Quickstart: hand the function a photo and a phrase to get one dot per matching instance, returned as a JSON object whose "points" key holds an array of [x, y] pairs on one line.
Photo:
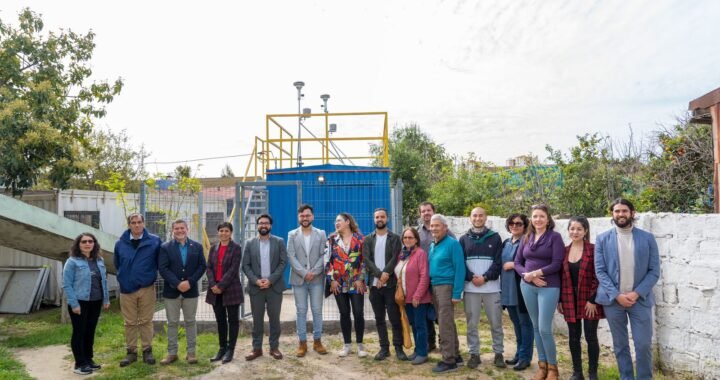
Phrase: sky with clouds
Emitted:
{"points": [[497, 78]]}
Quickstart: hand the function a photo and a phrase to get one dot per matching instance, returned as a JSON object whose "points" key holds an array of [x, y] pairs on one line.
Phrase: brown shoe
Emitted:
{"points": [[253, 355], [191, 358], [276, 354], [552, 372], [318, 347], [301, 351], [169, 359], [542, 372]]}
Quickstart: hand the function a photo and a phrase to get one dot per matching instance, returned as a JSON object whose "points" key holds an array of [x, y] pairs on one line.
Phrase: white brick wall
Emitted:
{"points": [[687, 314]]}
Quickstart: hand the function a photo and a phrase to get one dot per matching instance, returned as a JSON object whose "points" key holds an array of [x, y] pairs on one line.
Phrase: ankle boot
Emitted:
{"points": [[148, 356], [229, 354], [542, 371], [318, 347], [577, 375], [130, 358], [302, 349], [219, 355], [552, 372]]}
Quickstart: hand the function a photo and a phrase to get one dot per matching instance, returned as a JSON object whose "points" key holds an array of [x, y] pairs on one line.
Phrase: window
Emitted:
{"points": [[212, 219], [91, 218]]}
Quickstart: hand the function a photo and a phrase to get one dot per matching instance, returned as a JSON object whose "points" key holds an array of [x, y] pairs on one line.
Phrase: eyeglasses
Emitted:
{"points": [[87, 241], [516, 224], [408, 237]]}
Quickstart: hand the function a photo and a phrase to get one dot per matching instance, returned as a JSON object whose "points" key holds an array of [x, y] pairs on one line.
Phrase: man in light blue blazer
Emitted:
{"points": [[306, 254], [627, 264]]}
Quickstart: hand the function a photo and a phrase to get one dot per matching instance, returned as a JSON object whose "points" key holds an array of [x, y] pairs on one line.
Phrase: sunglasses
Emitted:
{"points": [[516, 224], [87, 241]]}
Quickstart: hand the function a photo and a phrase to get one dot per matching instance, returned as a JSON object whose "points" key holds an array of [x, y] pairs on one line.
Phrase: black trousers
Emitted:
{"points": [[266, 299], [575, 333], [344, 302], [383, 300], [227, 318], [83, 333]]}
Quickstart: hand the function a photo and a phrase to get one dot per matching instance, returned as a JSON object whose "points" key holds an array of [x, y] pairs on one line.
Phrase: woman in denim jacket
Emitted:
{"points": [[85, 285]]}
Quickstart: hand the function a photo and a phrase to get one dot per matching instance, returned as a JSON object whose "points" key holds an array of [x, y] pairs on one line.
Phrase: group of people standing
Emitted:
{"points": [[414, 279]]}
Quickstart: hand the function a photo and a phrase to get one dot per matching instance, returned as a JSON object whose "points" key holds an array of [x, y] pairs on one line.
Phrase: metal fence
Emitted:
{"points": [[203, 209]]}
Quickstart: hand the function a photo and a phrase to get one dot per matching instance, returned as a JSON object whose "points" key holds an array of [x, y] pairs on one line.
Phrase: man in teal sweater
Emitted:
{"points": [[447, 276]]}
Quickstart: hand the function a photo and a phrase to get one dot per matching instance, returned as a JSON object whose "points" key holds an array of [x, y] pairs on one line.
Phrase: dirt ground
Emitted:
{"points": [[330, 366], [49, 362]]}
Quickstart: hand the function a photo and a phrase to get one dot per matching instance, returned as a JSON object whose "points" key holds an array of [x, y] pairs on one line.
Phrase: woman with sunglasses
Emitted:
{"points": [[539, 261], [85, 286], [414, 276], [510, 295]]}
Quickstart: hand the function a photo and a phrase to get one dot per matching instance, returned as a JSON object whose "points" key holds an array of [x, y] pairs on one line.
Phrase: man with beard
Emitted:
{"points": [[381, 249], [627, 264], [264, 264], [306, 249]]}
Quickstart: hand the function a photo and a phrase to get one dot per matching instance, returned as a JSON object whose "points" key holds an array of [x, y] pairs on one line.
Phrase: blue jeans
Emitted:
{"points": [[641, 323], [541, 304], [523, 333], [315, 292], [417, 316]]}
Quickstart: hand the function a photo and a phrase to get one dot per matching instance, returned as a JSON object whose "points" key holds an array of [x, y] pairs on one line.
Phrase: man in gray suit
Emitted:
{"points": [[264, 264], [306, 248]]}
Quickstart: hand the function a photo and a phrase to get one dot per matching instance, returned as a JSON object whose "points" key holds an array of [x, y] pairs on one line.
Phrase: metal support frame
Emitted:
{"points": [[278, 144]]}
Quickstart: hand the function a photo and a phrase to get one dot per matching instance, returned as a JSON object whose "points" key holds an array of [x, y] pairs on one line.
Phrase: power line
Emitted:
{"points": [[201, 159]]}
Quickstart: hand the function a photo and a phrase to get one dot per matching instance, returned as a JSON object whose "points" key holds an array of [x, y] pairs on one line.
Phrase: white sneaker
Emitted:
{"points": [[345, 351], [361, 351]]}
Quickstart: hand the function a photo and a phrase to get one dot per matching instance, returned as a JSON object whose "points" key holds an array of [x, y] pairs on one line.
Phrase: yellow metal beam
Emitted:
{"points": [[329, 114], [320, 139]]}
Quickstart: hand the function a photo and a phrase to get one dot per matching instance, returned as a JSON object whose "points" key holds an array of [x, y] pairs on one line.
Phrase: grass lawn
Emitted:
{"points": [[44, 329]]}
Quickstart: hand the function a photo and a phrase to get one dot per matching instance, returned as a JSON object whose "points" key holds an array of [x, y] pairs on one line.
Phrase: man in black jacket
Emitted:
{"points": [[181, 263], [381, 249]]}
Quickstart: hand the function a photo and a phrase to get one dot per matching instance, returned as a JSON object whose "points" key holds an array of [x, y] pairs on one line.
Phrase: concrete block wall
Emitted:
{"points": [[687, 314]]}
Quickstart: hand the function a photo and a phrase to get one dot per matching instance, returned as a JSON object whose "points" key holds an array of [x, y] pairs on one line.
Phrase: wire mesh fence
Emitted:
{"points": [[204, 207]]}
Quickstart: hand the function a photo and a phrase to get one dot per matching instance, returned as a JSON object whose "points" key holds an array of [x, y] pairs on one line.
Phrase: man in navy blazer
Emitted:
{"points": [[263, 262], [181, 263], [627, 264]]}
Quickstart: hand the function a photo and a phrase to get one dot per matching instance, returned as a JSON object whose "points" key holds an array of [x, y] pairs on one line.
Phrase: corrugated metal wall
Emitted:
{"points": [[357, 190]]}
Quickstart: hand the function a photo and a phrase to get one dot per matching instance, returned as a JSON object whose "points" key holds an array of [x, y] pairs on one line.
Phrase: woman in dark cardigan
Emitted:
{"points": [[225, 290], [511, 296], [577, 296]]}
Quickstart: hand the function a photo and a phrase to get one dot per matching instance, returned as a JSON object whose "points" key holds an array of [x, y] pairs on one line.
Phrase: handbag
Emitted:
{"points": [[400, 300]]}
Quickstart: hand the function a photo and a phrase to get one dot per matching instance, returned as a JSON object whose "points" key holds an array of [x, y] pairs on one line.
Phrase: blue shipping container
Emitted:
{"points": [[329, 189]]}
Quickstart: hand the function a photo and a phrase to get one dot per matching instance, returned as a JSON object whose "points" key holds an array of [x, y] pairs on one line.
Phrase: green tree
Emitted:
{"points": [[590, 177], [418, 161], [110, 154], [679, 171], [47, 103], [227, 172]]}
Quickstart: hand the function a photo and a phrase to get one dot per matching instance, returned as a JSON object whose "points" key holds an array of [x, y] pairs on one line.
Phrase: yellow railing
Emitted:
{"points": [[279, 149]]}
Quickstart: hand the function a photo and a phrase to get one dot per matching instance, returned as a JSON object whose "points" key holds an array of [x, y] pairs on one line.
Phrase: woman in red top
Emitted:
{"points": [[345, 272], [414, 276], [225, 290], [577, 296]]}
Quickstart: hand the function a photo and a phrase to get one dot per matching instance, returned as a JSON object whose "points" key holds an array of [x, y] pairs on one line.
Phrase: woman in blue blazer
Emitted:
{"points": [[85, 285]]}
